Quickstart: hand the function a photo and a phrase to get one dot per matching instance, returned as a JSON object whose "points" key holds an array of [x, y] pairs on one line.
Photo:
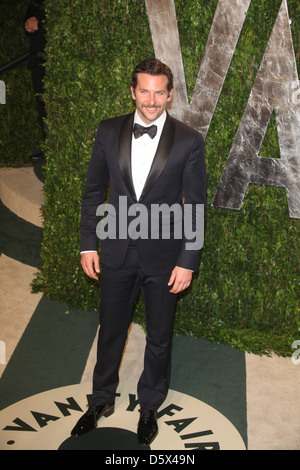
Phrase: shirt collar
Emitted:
{"points": [[158, 122]]}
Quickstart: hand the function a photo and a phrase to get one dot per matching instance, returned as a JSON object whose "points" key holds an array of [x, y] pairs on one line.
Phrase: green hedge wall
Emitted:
{"points": [[20, 127], [245, 294]]}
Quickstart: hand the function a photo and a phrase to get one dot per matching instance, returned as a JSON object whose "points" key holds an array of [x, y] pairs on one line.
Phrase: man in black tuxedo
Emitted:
{"points": [[34, 26], [145, 171]]}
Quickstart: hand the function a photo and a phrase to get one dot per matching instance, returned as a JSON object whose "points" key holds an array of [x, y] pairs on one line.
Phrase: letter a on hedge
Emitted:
{"points": [[273, 89]]}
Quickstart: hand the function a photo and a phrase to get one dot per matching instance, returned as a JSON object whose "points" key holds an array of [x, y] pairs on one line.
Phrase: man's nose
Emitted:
{"points": [[152, 99]]}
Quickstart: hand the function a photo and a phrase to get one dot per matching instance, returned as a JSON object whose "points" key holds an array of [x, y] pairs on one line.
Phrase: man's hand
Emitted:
{"points": [[32, 24], [180, 278], [90, 264]]}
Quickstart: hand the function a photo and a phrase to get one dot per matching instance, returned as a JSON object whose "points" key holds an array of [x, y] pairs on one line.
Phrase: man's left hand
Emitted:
{"points": [[32, 25], [180, 278]]}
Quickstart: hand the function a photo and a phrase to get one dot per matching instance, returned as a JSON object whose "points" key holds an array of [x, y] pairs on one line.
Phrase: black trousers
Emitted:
{"points": [[38, 75], [119, 289]]}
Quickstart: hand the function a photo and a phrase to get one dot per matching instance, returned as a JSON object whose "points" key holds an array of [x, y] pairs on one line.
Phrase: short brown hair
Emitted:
{"points": [[152, 67]]}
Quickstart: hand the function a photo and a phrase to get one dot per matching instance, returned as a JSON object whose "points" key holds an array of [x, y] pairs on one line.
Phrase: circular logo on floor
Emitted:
{"points": [[44, 422]]}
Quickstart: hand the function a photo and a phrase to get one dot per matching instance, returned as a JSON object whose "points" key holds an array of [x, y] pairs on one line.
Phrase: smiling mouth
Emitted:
{"points": [[151, 108]]}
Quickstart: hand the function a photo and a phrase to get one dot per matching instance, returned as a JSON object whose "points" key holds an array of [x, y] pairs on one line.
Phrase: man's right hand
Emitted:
{"points": [[90, 264]]}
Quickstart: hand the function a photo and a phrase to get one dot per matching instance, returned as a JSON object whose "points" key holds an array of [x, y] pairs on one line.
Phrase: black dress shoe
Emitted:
{"points": [[88, 421], [147, 427], [35, 157]]}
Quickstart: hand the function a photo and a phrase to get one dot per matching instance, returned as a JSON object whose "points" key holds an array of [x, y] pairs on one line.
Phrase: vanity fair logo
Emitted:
{"points": [[44, 422], [160, 221]]}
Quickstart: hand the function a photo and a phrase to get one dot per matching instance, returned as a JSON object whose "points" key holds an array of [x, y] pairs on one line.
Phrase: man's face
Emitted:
{"points": [[151, 96]]}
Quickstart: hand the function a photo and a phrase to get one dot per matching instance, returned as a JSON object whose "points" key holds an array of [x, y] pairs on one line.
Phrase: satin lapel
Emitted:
{"points": [[125, 153], [161, 156]]}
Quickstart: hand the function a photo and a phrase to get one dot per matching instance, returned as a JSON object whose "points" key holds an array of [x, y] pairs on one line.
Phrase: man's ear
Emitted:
{"points": [[170, 95], [133, 93]]}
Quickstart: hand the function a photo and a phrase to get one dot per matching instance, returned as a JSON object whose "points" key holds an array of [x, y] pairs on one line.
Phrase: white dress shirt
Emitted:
{"points": [[143, 151]]}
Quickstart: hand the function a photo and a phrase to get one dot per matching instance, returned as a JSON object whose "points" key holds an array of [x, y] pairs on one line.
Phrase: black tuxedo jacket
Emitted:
{"points": [[178, 168]]}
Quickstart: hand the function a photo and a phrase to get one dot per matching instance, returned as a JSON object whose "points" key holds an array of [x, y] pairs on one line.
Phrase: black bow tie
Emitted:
{"points": [[140, 130]]}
